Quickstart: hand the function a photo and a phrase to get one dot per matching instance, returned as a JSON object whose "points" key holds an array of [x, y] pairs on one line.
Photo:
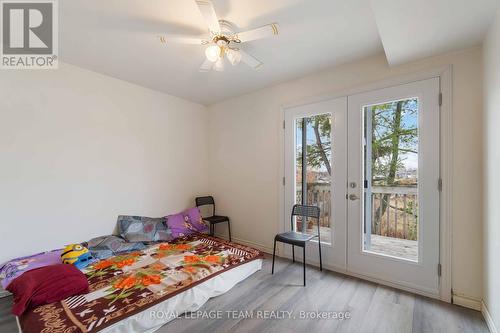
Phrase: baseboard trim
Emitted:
{"points": [[467, 302], [258, 246], [488, 318]]}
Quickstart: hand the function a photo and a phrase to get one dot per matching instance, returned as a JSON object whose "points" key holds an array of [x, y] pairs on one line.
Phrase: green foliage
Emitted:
{"points": [[318, 153], [394, 133]]}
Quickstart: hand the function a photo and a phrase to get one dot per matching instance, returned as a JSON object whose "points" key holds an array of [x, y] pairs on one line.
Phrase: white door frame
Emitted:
{"points": [[445, 73], [334, 254]]}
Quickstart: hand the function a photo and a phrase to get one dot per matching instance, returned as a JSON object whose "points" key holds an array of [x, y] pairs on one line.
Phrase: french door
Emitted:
{"points": [[315, 174], [371, 163], [393, 200]]}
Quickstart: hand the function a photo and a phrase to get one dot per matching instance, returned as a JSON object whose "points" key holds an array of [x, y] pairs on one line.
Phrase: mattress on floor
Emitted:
{"points": [[128, 292]]}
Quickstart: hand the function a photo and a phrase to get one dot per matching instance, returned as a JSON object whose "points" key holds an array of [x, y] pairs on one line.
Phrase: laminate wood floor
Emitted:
{"points": [[372, 307]]}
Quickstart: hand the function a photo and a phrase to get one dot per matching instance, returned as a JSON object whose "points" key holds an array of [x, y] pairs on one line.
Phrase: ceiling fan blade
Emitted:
{"points": [[206, 66], [259, 33], [165, 39], [207, 10], [250, 60]]}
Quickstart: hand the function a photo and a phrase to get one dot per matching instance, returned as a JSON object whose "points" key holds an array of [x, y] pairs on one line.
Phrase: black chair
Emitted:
{"points": [[214, 219], [298, 238]]}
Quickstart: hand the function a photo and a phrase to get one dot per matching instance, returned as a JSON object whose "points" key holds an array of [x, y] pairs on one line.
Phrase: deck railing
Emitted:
{"points": [[393, 213], [319, 194]]}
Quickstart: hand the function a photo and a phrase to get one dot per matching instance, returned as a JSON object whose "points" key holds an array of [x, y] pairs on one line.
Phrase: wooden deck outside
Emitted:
{"points": [[396, 247]]}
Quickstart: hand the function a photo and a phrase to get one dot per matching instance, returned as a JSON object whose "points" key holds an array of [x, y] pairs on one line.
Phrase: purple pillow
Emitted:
{"points": [[14, 268], [194, 218], [179, 225]]}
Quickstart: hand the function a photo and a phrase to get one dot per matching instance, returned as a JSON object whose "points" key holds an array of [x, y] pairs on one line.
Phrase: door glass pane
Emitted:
{"points": [[313, 183], [391, 178]]}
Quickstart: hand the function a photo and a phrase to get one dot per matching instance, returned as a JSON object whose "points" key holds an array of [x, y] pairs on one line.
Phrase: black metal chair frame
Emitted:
{"points": [[304, 211], [214, 219]]}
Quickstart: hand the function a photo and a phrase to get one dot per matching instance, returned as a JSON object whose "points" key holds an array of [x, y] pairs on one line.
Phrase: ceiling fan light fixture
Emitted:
{"points": [[222, 40], [213, 53], [234, 56]]}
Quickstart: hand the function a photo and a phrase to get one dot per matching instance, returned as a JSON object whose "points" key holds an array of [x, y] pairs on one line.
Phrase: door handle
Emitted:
{"points": [[353, 197]]}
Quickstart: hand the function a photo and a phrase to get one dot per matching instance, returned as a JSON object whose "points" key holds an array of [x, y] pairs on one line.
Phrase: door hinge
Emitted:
{"points": [[440, 99], [283, 124], [440, 184], [439, 269], [283, 181]]}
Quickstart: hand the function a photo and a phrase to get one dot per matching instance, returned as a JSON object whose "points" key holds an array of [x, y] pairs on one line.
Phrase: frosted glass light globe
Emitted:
{"points": [[233, 56], [213, 53]]}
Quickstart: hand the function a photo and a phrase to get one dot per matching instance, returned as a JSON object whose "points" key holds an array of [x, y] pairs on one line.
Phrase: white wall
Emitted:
{"points": [[78, 148], [244, 160], [491, 174]]}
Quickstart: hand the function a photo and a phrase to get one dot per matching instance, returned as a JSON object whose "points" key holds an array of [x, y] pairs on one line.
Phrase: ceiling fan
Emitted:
{"points": [[223, 41]]}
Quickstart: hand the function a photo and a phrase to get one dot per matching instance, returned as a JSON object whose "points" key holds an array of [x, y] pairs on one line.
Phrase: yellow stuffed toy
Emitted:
{"points": [[77, 255]]}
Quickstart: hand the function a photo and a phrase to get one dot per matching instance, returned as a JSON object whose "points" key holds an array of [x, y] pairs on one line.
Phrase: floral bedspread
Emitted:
{"points": [[124, 285]]}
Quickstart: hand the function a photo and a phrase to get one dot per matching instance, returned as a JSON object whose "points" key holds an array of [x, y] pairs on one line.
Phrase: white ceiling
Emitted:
{"points": [[118, 38], [412, 30]]}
